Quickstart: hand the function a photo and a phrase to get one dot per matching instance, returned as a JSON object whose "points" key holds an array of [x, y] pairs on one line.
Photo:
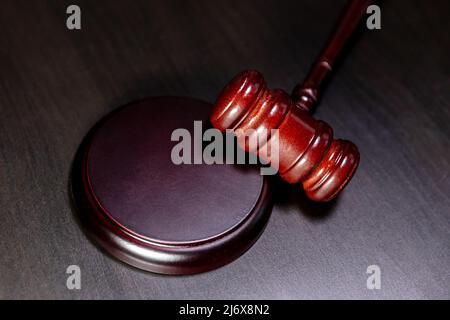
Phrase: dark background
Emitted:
{"points": [[390, 96]]}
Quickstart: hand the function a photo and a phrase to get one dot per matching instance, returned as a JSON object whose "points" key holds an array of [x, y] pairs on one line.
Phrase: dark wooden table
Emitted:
{"points": [[390, 96]]}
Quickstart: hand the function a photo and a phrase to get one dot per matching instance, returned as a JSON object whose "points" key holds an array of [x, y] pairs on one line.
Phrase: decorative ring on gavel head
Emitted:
{"points": [[307, 151]]}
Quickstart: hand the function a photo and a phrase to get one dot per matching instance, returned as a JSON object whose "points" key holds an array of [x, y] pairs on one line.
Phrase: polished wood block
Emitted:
{"points": [[158, 216]]}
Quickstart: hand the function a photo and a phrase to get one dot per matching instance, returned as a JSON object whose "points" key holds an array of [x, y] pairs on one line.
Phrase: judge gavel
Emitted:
{"points": [[308, 153]]}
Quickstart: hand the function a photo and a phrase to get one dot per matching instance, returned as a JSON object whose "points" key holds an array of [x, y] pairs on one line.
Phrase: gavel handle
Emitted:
{"points": [[305, 95]]}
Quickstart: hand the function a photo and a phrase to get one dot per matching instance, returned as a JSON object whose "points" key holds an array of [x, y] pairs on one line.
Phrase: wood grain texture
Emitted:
{"points": [[390, 96]]}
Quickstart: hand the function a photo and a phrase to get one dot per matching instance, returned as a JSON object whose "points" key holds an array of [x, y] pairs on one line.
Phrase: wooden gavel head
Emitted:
{"points": [[307, 151]]}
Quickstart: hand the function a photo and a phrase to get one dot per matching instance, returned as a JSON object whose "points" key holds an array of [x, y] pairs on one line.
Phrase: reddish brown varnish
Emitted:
{"points": [[307, 151]]}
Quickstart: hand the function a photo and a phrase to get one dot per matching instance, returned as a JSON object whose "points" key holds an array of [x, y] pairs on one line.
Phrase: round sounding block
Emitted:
{"points": [[156, 215]]}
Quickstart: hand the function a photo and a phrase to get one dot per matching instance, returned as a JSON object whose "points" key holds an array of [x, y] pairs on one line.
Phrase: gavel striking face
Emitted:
{"points": [[308, 153]]}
